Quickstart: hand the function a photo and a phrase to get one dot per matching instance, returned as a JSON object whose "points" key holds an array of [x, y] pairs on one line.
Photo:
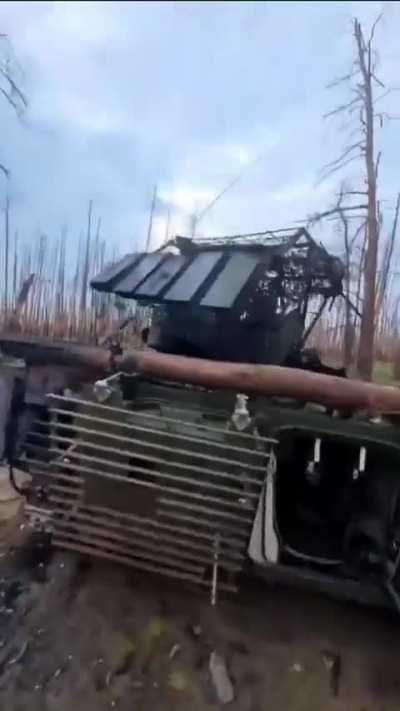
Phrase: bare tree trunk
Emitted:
{"points": [[348, 338], [15, 268], [6, 252], [387, 260], [367, 328], [85, 274]]}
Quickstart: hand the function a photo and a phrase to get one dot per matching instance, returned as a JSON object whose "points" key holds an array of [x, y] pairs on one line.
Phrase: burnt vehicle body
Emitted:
{"points": [[202, 484]]}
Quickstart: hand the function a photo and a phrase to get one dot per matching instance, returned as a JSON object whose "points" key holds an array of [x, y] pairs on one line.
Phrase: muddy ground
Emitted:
{"points": [[83, 635]]}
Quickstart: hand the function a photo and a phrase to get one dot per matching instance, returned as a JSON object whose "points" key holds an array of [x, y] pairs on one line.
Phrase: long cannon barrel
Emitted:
{"points": [[264, 380]]}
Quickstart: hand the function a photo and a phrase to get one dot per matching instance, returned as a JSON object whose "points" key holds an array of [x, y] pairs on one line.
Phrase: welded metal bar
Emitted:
{"points": [[151, 485], [237, 477], [141, 470], [216, 560], [241, 520], [147, 415], [156, 545], [126, 530], [128, 550], [92, 550], [156, 445], [51, 473], [222, 526], [175, 435], [230, 540]]}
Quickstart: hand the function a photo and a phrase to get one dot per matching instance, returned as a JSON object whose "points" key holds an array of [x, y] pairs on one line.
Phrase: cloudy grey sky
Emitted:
{"points": [[124, 95]]}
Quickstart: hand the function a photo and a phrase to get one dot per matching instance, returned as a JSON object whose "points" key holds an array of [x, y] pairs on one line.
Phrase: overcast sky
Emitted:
{"points": [[185, 95]]}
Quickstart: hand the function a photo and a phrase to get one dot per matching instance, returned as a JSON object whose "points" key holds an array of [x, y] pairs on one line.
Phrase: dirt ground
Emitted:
{"points": [[86, 635]]}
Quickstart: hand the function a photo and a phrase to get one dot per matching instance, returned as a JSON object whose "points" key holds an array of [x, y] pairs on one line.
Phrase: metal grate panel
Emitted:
{"points": [[172, 496]]}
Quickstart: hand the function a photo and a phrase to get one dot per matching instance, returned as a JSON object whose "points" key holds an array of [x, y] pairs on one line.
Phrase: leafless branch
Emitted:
{"points": [[344, 155], [342, 80], [5, 171], [378, 81], [337, 210], [373, 28], [359, 229], [378, 160], [384, 115], [342, 107], [387, 258], [17, 91], [331, 171]]}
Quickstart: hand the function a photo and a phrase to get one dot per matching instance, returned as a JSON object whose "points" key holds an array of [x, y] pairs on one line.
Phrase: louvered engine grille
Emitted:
{"points": [[151, 491]]}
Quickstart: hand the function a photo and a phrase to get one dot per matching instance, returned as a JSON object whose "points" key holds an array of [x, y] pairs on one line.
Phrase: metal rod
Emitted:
{"points": [[157, 445], [99, 530], [174, 435], [202, 509], [74, 449], [230, 540], [215, 572], [146, 415], [153, 473], [152, 485], [98, 519], [92, 550]]}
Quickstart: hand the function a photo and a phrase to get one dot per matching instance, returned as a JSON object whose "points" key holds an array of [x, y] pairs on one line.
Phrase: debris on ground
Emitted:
{"points": [[174, 651], [95, 637], [220, 677], [297, 667], [333, 664], [20, 654]]}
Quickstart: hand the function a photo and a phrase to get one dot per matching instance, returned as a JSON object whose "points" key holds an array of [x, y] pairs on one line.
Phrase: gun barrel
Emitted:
{"points": [[263, 380]]}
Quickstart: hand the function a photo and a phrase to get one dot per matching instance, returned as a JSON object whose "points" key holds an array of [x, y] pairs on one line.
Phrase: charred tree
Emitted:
{"points": [[362, 205], [367, 327]]}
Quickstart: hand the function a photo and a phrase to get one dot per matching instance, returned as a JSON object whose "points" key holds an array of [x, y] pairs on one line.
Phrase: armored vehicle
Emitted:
{"points": [[225, 447]]}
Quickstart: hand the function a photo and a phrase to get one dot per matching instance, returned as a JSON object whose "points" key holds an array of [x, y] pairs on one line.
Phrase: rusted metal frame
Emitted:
{"points": [[236, 477], [154, 522], [175, 435], [141, 470], [92, 550], [147, 415], [163, 447], [143, 531], [101, 532]]}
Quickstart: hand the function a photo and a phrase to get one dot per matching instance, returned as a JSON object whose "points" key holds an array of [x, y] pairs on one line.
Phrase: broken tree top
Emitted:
{"points": [[215, 272]]}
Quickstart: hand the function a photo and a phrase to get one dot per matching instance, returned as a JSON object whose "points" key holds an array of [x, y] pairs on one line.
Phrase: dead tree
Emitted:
{"points": [[6, 251], [348, 340], [363, 204], [384, 271], [85, 272], [367, 115], [10, 78], [341, 215]]}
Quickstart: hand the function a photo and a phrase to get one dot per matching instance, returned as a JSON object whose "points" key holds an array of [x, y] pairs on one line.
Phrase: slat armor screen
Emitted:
{"points": [[153, 492]]}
